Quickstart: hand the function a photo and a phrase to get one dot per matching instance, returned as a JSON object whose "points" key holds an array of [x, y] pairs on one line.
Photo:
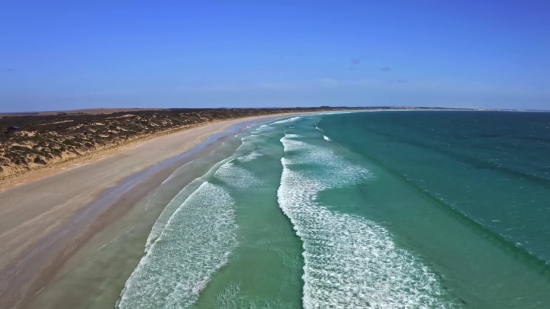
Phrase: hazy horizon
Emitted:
{"points": [[65, 55], [266, 107]]}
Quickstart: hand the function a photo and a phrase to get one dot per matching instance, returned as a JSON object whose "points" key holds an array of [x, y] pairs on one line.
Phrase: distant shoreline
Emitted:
{"points": [[45, 144], [18, 165], [96, 111], [49, 142]]}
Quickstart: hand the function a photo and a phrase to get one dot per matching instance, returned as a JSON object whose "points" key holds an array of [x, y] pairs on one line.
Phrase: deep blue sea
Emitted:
{"points": [[386, 209]]}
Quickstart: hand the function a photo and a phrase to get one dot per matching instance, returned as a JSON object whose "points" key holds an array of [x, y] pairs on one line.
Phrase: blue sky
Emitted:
{"points": [[73, 54]]}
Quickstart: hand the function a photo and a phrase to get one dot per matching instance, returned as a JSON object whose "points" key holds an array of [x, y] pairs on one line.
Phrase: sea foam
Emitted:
{"points": [[196, 241], [178, 201], [350, 262], [169, 210], [236, 177], [172, 270], [253, 155], [287, 120], [264, 127]]}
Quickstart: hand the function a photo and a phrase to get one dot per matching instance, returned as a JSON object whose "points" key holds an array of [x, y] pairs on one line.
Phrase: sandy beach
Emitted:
{"points": [[37, 232]]}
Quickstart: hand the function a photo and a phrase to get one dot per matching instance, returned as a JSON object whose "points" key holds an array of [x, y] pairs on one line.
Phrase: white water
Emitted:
{"points": [[169, 210], [197, 240], [192, 238], [253, 155], [287, 120], [177, 202], [350, 262], [236, 177]]}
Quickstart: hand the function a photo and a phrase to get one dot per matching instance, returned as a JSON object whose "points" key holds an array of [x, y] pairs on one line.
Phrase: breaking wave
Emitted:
{"points": [[350, 262], [287, 120], [197, 240]]}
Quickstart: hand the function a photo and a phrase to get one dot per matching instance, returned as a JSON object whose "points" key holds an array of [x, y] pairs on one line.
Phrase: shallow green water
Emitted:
{"points": [[361, 210]]}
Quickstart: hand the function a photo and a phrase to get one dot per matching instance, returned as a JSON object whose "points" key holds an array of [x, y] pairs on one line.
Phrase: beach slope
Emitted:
{"points": [[36, 229]]}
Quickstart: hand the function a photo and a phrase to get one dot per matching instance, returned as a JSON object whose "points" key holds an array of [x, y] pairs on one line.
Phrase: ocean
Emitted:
{"points": [[386, 209]]}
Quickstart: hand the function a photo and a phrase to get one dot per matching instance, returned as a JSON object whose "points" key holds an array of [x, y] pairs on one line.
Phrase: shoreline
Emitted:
{"points": [[38, 172], [27, 232], [14, 180], [96, 274]]}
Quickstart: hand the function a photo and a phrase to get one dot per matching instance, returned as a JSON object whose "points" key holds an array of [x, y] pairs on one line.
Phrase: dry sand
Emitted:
{"points": [[31, 213], [69, 163]]}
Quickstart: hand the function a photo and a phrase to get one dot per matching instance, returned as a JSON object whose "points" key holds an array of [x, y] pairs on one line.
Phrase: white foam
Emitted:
{"points": [[326, 138], [263, 128], [350, 262], [197, 241], [236, 177], [250, 137], [150, 277], [169, 210], [317, 128], [287, 120], [253, 155], [291, 135], [176, 203]]}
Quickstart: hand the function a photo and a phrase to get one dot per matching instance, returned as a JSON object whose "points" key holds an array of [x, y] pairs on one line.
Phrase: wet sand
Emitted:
{"points": [[49, 226]]}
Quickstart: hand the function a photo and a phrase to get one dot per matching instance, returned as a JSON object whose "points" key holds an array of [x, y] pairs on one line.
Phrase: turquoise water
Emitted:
{"points": [[361, 210]]}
